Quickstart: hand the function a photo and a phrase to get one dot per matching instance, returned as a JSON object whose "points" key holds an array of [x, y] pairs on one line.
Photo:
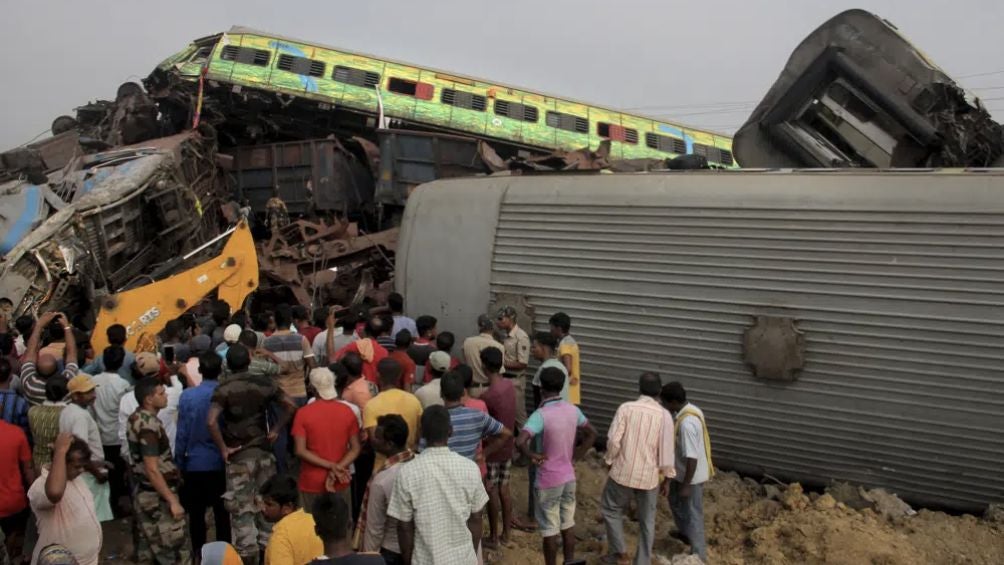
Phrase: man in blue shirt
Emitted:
{"points": [[116, 334], [13, 407], [401, 322], [198, 458], [470, 426]]}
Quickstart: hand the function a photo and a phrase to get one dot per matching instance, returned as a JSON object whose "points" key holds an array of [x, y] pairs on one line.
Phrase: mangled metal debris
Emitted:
{"points": [[326, 263], [115, 218]]}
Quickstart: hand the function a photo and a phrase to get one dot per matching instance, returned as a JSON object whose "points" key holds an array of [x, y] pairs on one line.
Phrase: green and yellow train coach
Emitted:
{"points": [[340, 79]]}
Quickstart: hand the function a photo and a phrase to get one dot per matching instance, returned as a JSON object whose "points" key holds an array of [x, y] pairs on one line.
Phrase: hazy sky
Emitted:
{"points": [[701, 63]]}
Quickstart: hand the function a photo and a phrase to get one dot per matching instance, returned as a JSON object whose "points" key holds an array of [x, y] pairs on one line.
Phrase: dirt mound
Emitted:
{"points": [[744, 525]]}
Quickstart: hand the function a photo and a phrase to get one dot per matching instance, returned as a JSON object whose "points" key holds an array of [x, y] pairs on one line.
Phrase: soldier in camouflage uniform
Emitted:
{"points": [[239, 426], [160, 519]]}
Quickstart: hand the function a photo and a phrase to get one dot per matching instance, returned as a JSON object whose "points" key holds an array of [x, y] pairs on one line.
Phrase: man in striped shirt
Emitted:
{"points": [[470, 426], [639, 450], [39, 367]]}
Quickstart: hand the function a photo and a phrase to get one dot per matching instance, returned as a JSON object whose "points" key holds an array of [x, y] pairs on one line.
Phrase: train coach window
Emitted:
{"points": [[300, 65], [463, 99], [616, 132], [714, 154], [245, 55], [665, 143], [420, 90], [356, 77], [516, 111], [567, 122]]}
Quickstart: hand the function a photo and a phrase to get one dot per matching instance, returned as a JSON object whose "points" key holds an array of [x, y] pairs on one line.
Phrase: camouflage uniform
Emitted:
{"points": [[162, 538], [244, 400], [247, 471]]}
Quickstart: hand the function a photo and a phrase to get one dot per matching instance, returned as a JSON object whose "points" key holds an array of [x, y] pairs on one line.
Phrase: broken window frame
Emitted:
{"points": [[617, 132], [419, 90]]}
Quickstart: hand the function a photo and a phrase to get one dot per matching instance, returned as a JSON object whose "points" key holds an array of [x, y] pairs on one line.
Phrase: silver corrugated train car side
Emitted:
{"points": [[834, 325]]}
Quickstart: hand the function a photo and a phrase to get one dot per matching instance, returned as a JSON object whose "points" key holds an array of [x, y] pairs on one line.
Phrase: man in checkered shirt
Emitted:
{"points": [[438, 500]]}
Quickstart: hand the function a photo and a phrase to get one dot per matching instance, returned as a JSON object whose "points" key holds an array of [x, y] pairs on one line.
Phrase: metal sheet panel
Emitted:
{"points": [[894, 277]]}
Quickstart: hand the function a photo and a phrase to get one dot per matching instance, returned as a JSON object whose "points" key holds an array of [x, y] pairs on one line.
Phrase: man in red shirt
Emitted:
{"points": [[301, 320], [15, 473], [326, 433], [400, 354], [501, 401], [368, 348]]}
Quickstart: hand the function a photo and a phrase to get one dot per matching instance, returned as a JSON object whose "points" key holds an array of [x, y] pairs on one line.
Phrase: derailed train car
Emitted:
{"points": [[108, 220], [856, 93], [838, 325]]}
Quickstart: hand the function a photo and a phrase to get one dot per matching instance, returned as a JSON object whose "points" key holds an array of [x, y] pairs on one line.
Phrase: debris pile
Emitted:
{"points": [[744, 524]]}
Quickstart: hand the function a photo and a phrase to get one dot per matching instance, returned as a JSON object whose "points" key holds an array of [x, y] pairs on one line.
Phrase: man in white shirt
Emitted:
{"points": [[430, 393], [438, 499], [148, 365], [693, 468], [111, 387], [77, 420]]}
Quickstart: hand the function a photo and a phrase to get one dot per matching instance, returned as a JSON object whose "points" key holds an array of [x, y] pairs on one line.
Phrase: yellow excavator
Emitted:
{"points": [[145, 310]]}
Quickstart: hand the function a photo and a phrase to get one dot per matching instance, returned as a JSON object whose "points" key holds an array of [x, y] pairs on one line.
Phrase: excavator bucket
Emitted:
{"points": [[145, 310]]}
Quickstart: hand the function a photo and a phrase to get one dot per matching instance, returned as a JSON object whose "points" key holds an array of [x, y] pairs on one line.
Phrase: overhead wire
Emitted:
{"points": [[991, 73]]}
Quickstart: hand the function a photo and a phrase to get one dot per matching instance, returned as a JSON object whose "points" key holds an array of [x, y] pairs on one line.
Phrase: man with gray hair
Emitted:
{"points": [[472, 354]]}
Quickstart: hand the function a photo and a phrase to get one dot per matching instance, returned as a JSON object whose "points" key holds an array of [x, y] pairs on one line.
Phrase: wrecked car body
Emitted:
{"points": [[855, 93], [123, 213]]}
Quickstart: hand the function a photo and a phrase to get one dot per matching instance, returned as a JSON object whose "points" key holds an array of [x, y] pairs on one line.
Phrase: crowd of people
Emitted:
{"points": [[339, 436]]}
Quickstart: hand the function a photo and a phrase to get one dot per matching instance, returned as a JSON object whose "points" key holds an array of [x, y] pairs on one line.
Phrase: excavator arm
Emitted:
{"points": [[146, 310]]}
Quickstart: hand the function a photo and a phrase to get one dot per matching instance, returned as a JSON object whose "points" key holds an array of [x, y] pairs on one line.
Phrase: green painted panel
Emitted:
{"points": [[502, 127]]}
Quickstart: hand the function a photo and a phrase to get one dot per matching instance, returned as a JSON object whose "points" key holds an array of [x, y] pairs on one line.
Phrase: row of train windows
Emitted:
{"points": [[471, 101]]}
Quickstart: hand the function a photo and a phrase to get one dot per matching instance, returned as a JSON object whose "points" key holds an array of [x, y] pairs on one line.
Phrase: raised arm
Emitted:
{"points": [[35, 340], [55, 483], [70, 353]]}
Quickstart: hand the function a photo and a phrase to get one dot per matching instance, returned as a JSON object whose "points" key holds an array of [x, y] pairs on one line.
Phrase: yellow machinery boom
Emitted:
{"points": [[146, 310]]}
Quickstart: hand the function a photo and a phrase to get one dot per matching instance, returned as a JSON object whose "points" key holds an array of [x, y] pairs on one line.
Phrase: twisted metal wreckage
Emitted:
{"points": [[126, 188]]}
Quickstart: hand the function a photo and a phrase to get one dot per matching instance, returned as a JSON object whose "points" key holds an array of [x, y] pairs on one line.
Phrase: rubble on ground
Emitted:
{"points": [[745, 526]]}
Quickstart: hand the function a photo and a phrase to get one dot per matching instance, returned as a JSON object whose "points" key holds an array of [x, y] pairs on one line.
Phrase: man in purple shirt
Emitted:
{"points": [[556, 422]]}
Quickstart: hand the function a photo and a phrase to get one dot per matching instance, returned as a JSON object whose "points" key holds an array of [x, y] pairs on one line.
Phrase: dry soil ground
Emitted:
{"points": [[747, 523]]}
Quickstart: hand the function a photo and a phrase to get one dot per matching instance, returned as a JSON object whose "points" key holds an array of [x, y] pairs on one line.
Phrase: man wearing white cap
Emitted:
{"points": [[326, 435], [77, 420], [230, 336], [429, 395]]}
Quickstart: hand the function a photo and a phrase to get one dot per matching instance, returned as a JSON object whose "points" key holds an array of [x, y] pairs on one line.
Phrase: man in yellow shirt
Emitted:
{"points": [[293, 541], [392, 400], [568, 354]]}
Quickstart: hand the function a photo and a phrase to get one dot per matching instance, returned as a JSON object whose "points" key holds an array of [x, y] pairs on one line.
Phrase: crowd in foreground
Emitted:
{"points": [[353, 436]]}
